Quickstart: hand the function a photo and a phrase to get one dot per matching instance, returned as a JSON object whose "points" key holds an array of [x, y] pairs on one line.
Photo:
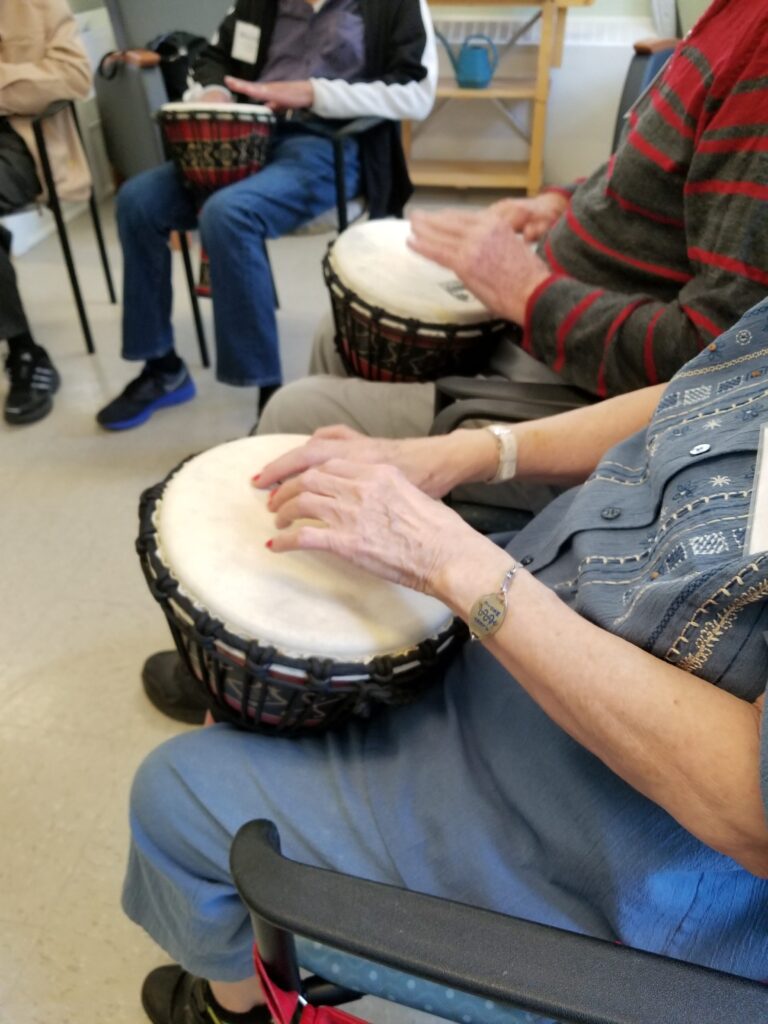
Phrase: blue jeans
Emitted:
{"points": [[296, 184]]}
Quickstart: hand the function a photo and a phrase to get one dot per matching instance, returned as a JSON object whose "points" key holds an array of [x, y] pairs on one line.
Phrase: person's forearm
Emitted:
{"points": [[562, 449], [688, 746], [27, 89]]}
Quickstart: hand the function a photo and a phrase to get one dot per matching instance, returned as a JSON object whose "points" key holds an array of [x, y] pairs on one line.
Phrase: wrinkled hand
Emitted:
{"points": [[433, 464], [373, 517], [278, 96], [532, 218], [486, 252]]}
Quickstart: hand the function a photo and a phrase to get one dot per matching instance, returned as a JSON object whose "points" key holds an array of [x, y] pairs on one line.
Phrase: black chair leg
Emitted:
{"points": [[341, 184], [55, 205], [102, 248], [184, 245]]}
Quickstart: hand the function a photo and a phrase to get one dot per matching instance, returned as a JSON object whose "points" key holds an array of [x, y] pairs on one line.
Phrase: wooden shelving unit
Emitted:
{"points": [[525, 175]]}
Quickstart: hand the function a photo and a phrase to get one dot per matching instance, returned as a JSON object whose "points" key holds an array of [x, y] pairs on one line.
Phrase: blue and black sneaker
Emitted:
{"points": [[150, 391]]}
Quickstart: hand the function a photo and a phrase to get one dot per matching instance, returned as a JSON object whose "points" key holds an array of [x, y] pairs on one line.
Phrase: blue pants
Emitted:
{"points": [[296, 185]]}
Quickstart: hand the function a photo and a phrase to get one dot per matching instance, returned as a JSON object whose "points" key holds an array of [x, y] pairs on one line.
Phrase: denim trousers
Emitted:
{"points": [[296, 184]]}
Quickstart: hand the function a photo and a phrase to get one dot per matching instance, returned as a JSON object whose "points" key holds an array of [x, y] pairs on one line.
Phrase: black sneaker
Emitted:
{"points": [[173, 689], [170, 995], [34, 382], [146, 394]]}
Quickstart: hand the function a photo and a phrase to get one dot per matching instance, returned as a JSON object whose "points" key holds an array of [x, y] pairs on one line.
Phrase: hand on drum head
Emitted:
{"points": [[433, 464], [486, 252], [278, 96], [375, 518]]}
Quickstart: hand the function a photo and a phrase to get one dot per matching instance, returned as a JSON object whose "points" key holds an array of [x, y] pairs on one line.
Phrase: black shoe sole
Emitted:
{"points": [[19, 419]]}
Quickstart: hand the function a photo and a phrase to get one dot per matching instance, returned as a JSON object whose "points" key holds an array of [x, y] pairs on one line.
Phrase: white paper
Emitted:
{"points": [[757, 530], [245, 45]]}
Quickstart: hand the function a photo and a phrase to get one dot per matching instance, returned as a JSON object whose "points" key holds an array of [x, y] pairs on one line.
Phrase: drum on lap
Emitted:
{"points": [[291, 643], [214, 145], [398, 316]]}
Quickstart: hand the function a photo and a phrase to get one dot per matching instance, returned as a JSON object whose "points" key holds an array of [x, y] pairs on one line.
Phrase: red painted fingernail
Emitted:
{"points": [[255, 478], [269, 544]]}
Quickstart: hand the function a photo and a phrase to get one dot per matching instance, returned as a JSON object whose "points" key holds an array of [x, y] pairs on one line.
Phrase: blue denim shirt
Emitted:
{"points": [[652, 546]]}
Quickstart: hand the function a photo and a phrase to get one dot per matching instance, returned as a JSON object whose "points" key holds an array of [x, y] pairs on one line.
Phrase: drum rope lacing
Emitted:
{"points": [[424, 351], [245, 679]]}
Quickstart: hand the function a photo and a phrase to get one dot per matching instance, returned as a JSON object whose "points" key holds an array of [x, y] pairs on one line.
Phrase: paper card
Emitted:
{"points": [[757, 529], [245, 45]]}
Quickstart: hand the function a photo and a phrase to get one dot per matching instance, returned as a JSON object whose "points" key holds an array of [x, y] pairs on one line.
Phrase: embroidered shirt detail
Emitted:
{"points": [[710, 623]]}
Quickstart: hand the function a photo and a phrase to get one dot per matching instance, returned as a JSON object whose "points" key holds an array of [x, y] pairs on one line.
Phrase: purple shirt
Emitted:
{"points": [[306, 44]]}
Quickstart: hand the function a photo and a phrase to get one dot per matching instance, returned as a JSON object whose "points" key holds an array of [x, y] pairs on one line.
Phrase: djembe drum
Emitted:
{"points": [[215, 145], [290, 643], [399, 316]]}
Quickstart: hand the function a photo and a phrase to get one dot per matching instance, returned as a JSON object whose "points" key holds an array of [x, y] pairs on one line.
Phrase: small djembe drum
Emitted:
{"points": [[215, 145], [399, 316], [291, 643]]}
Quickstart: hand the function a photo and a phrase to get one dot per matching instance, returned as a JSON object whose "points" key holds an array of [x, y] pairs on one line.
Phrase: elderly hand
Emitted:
{"points": [[433, 464], [278, 96], [486, 252], [373, 517]]}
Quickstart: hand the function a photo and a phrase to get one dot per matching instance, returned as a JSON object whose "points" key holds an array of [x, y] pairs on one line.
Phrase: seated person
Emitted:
{"points": [[322, 59], [636, 269], [601, 748], [41, 60]]}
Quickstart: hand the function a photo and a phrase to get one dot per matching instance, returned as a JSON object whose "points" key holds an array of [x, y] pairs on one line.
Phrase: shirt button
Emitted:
{"points": [[611, 512], [700, 449], [527, 560]]}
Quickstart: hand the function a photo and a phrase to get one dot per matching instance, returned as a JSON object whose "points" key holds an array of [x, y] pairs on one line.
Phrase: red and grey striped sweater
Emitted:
{"points": [[667, 244]]}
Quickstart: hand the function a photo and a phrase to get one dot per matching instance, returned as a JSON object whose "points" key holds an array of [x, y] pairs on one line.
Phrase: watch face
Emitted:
{"points": [[486, 615]]}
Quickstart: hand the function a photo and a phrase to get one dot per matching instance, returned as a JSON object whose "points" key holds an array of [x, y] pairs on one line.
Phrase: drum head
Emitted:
{"points": [[256, 110], [212, 528], [373, 261]]}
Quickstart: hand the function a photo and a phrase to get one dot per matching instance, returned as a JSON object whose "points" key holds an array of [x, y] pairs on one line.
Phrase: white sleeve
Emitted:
{"points": [[409, 101]]}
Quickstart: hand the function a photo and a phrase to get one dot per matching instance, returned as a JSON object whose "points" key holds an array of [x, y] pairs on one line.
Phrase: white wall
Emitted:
{"points": [[583, 101]]}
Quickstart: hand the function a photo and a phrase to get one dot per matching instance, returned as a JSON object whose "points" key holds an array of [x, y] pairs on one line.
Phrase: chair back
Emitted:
{"points": [[135, 22], [128, 101], [645, 65]]}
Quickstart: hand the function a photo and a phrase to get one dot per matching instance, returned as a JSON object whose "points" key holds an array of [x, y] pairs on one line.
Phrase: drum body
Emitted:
{"points": [[290, 643], [216, 144], [398, 316]]}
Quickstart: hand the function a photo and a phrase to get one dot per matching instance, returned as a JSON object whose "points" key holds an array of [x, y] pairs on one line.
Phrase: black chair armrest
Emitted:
{"points": [[346, 129], [51, 110], [458, 399], [573, 978]]}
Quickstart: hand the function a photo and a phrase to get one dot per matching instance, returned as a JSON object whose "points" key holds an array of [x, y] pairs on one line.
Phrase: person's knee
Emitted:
{"points": [[159, 785], [300, 408], [227, 213]]}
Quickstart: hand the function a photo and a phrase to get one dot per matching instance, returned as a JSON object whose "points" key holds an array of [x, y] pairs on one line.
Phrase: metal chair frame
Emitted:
{"points": [[54, 204], [572, 978]]}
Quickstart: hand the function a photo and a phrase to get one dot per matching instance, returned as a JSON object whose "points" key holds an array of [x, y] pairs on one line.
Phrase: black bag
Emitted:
{"points": [[178, 51]]}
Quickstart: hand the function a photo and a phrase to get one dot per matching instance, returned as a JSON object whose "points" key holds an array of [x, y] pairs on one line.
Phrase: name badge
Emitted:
{"points": [[757, 531], [245, 45]]}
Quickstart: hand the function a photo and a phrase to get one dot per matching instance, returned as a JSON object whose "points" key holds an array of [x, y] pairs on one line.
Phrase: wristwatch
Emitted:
{"points": [[506, 440], [489, 611]]}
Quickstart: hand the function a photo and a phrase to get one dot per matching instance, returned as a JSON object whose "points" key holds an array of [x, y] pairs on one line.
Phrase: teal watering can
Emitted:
{"points": [[475, 62]]}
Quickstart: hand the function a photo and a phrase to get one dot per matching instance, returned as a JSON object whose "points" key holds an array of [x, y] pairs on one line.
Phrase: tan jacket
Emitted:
{"points": [[42, 59]]}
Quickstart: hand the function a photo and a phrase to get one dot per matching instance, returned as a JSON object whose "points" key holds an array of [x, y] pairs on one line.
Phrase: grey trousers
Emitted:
{"points": [[329, 396]]}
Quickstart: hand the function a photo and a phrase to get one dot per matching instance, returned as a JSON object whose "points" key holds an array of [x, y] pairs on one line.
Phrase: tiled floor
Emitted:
{"points": [[76, 622]]}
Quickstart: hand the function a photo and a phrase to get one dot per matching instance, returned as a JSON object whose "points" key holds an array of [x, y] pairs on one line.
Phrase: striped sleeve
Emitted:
{"points": [[668, 243]]}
